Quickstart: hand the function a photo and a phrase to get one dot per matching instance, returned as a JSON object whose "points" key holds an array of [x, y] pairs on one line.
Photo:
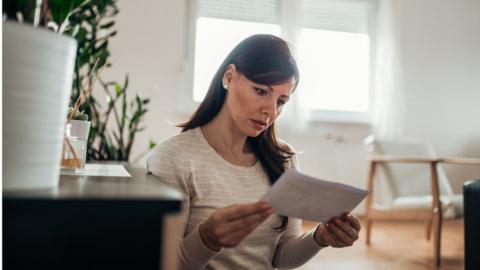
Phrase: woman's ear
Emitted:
{"points": [[229, 75]]}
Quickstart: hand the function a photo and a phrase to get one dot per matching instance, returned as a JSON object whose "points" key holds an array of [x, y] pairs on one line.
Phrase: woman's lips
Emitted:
{"points": [[258, 124]]}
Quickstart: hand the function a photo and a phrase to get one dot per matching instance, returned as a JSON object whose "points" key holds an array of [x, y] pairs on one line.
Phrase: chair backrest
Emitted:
{"points": [[407, 179]]}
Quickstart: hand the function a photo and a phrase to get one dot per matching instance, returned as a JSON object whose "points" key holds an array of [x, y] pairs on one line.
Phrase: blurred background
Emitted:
{"points": [[394, 68]]}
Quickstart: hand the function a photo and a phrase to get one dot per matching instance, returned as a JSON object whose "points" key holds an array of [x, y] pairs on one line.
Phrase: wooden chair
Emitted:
{"points": [[407, 166]]}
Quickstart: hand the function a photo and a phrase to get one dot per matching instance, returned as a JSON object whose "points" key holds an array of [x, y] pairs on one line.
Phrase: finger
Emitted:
{"points": [[340, 235], [347, 228], [327, 235], [354, 221], [237, 211], [336, 242], [246, 222]]}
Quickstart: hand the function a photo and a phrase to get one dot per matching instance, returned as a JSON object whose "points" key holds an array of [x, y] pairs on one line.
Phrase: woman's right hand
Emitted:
{"points": [[228, 226]]}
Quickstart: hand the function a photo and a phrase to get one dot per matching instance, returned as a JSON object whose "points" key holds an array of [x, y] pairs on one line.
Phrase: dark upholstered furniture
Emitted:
{"points": [[471, 197]]}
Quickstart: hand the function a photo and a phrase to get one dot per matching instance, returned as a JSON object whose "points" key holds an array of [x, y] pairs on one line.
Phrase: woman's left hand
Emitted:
{"points": [[339, 232]]}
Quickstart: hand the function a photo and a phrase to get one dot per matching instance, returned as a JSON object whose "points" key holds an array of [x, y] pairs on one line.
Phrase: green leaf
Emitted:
{"points": [[107, 25], [118, 89], [113, 33], [125, 83], [151, 144], [103, 45]]}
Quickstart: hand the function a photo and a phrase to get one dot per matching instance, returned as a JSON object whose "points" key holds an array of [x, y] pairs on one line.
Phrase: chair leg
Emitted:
{"points": [[369, 200], [438, 237], [429, 229], [368, 231], [437, 214]]}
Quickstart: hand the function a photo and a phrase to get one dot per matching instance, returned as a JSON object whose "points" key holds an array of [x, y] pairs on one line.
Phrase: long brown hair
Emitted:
{"points": [[263, 59]]}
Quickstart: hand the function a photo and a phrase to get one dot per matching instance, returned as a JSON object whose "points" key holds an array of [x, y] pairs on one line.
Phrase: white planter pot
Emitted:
{"points": [[37, 81]]}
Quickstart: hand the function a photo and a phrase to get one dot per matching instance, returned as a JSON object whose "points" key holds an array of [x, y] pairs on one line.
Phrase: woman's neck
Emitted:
{"points": [[225, 137]]}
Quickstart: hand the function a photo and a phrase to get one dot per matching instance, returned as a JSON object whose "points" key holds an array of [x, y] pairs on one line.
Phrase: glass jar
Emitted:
{"points": [[74, 150]]}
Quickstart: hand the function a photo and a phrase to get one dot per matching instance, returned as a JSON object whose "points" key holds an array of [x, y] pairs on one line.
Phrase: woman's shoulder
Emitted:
{"points": [[181, 140], [177, 145], [173, 153]]}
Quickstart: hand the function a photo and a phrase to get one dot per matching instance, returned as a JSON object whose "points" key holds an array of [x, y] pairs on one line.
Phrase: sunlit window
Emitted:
{"points": [[215, 38], [334, 70]]}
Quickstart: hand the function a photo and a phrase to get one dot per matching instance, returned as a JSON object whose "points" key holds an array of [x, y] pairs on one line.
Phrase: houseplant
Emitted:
{"points": [[94, 25], [91, 23], [37, 74]]}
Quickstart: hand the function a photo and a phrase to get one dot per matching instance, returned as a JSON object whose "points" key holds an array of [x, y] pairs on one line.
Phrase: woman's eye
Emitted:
{"points": [[280, 102], [260, 92]]}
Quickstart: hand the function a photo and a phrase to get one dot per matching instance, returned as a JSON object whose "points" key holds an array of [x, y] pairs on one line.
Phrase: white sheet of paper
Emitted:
{"points": [[112, 170], [301, 196]]}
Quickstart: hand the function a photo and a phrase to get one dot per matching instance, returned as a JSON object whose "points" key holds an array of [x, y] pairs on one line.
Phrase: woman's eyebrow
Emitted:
{"points": [[263, 86], [270, 88]]}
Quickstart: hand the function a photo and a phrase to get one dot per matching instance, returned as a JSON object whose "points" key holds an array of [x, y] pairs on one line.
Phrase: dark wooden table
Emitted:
{"points": [[90, 223]]}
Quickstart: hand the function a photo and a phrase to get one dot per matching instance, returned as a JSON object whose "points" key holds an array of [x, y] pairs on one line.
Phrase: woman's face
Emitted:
{"points": [[254, 107]]}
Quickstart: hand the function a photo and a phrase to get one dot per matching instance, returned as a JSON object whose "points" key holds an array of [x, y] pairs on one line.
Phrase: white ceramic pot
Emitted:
{"points": [[37, 80]]}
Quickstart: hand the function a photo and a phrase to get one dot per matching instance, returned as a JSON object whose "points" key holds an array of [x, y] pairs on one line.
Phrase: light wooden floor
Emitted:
{"points": [[395, 246]]}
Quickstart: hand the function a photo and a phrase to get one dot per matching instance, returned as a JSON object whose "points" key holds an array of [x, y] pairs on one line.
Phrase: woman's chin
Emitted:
{"points": [[252, 132]]}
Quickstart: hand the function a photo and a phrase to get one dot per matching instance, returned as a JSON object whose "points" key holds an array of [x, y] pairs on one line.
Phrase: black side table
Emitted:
{"points": [[91, 223]]}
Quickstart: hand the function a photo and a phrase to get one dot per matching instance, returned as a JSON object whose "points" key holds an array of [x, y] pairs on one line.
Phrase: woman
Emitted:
{"points": [[227, 157]]}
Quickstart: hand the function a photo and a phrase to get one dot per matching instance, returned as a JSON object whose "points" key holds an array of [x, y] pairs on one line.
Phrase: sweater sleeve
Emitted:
{"points": [[174, 169], [294, 248]]}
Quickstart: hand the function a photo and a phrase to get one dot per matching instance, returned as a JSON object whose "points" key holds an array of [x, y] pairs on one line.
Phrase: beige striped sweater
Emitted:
{"points": [[188, 163]]}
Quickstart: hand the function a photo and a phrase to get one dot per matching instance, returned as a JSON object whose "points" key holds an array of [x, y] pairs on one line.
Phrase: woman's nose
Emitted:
{"points": [[270, 109]]}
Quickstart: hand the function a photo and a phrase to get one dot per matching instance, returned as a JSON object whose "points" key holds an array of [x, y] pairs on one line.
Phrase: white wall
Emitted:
{"points": [[149, 47], [441, 40]]}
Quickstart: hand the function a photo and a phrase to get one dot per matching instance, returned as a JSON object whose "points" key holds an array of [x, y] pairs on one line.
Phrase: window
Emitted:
{"points": [[331, 43], [334, 59], [212, 51]]}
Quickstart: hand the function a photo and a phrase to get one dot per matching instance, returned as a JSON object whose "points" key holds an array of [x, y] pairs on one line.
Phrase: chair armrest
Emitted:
{"points": [[409, 159], [401, 159], [466, 161]]}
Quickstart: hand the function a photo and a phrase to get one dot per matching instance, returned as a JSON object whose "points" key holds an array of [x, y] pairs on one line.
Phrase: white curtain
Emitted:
{"points": [[389, 101], [294, 117]]}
